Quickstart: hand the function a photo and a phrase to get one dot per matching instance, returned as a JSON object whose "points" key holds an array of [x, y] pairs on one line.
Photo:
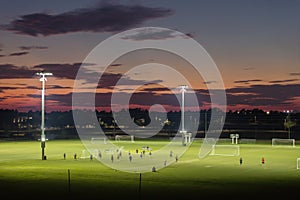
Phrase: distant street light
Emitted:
{"points": [[43, 138]]}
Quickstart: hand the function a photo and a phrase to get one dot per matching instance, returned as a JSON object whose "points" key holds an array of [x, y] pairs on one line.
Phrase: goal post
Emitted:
{"points": [[124, 138], [283, 142], [225, 150], [84, 154], [95, 140], [298, 163]]}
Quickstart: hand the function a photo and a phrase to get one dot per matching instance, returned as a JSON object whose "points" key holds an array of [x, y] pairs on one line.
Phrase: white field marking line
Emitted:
{"points": [[188, 161], [268, 148]]}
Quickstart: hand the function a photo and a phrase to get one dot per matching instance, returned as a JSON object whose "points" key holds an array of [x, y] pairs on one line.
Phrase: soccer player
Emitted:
{"points": [[241, 160], [153, 169], [262, 160]]}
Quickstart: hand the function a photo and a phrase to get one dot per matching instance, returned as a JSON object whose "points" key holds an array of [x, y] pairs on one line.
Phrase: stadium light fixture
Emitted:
{"points": [[183, 90], [43, 138]]}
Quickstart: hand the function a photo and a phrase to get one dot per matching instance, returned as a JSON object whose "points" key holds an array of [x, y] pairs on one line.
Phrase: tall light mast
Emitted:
{"points": [[43, 138], [183, 90]]}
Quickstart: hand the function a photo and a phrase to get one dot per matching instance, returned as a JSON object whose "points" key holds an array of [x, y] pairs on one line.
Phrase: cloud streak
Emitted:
{"points": [[154, 34], [295, 74], [22, 53], [103, 18], [248, 81], [12, 71], [263, 95], [284, 81], [27, 48]]}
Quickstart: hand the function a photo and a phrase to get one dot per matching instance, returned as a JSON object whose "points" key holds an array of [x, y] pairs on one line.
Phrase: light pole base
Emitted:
{"points": [[43, 144]]}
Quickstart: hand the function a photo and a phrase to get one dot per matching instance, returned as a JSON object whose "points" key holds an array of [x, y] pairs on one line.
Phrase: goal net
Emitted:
{"points": [[283, 142], [97, 140], [225, 150], [124, 138], [84, 154], [298, 163]]}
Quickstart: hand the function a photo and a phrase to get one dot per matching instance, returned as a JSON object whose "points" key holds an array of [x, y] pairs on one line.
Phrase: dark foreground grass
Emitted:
{"points": [[24, 175]]}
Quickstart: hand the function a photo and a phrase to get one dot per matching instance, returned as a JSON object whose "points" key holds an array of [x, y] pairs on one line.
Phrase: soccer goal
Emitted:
{"points": [[225, 150], [283, 142], [124, 138], [84, 154], [96, 140], [298, 163]]}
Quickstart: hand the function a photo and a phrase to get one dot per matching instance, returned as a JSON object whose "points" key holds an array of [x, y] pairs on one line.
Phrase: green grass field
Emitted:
{"points": [[24, 174]]}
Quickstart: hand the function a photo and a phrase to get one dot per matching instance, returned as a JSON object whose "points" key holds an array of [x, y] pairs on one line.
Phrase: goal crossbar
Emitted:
{"points": [[124, 137], [97, 139]]}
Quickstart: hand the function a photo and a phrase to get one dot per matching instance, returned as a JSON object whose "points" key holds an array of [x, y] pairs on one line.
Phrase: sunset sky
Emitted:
{"points": [[254, 43]]}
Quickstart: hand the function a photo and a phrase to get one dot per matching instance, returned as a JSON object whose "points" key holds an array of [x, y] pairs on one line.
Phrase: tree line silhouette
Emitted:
{"points": [[254, 123]]}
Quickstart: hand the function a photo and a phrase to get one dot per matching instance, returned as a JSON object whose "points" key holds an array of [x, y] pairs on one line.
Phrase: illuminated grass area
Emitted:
{"points": [[23, 173]]}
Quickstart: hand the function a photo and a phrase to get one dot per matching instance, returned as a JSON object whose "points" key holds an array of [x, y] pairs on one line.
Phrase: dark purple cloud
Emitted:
{"points": [[59, 70], [263, 95], [11, 71], [27, 48], [283, 81], [209, 82], [295, 74], [190, 35], [107, 80], [6, 88], [103, 18], [58, 87], [151, 34], [154, 34], [22, 53], [248, 81], [69, 71], [116, 65], [156, 89], [66, 70]]}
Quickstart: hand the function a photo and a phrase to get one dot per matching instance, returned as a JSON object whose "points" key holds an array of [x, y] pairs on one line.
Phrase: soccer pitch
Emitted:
{"points": [[24, 174]]}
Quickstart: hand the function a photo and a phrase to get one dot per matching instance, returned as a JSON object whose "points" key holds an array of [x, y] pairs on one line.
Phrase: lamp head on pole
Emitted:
{"points": [[43, 74], [183, 87]]}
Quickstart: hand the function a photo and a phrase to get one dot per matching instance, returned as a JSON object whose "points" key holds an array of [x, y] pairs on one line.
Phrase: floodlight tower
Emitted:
{"points": [[183, 90], [43, 138]]}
